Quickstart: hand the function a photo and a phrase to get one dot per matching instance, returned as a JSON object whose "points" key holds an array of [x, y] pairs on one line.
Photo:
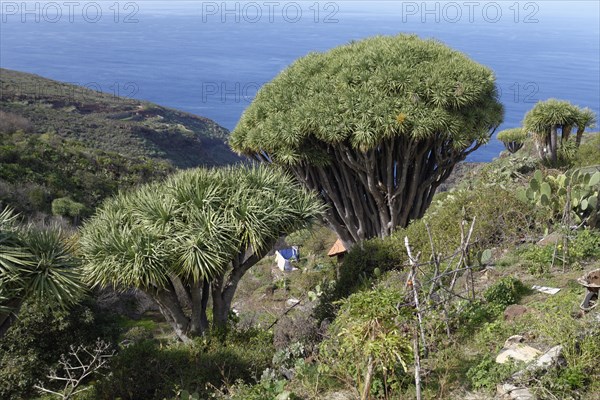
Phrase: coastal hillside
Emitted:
{"points": [[103, 121]]}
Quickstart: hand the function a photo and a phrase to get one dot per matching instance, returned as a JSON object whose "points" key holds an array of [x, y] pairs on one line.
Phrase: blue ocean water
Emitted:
{"points": [[210, 57]]}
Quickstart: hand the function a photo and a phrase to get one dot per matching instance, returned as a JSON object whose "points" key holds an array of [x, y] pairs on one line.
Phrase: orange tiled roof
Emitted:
{"points": [[337, 248]]}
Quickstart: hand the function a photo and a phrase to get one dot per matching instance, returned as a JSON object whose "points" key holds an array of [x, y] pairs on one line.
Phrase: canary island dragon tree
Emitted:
{"points": [[374, 127]]}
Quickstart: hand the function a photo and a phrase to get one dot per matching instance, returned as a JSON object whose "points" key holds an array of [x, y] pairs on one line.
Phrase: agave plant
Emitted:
{"points": [[35, 264]]}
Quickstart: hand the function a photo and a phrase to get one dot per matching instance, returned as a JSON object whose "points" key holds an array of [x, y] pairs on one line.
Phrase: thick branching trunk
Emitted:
{"points": [[372, 192], [223, 287], [566, 134], [183, 306], [580, 130], [554, 144], [513, 147]]}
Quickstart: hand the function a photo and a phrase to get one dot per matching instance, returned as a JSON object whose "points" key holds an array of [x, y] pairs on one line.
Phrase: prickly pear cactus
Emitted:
{"points": [[581, 188]]}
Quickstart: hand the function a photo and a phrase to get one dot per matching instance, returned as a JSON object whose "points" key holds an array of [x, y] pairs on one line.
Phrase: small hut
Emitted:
{"points": [[338, 249], [284, 258]]}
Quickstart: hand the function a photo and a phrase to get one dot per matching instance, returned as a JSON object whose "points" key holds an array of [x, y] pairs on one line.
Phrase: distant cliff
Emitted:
{"points": [[106, 122]]}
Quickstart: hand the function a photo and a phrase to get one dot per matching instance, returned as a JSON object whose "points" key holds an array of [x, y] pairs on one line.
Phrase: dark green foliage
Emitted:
{"points": [[35, 169], [500, 217], [35, 264], [147, 370], [113, 124], [474, 314], [582, 245], [65, 207], [41, 335], [371, 328], [585, 245], [403, 85], [506, 291], [537, 258], [266, 389], [358, 269]]}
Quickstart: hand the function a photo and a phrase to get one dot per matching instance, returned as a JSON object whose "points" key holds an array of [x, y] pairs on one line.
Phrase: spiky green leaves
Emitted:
{"points": [[192, 225], [512, 135], [36, 263], [513, 139], [546, 114], [355, 93], [560, 113]]}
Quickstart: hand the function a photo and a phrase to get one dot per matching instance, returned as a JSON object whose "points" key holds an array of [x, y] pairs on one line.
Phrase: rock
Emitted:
{"points": [[521, 352], [513, 340], [549, 358], [292, 302], [545, 361], [514, 311], [510, 391], [515, 349], [552, 238]]}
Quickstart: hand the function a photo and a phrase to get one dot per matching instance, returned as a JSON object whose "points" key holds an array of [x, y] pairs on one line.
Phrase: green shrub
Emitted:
{"points": [[66, 207], [371, 327], [583, 245], [359, 267], [506, 291], [472, 315], [586, 244], [589, 152], [267, 388], [580, 341], [149, 370], [500, 217], [538, 259], [488, 373], [35, 343]]}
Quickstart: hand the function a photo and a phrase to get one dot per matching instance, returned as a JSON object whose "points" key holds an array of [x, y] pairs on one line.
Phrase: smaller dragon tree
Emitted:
{"points": [[193, 237], [513, 139], [549, 118]]}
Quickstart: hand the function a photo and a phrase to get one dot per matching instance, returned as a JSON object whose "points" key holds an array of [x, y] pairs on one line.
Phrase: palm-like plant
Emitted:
{"points": [[35, 264], [12, 259], [193, 236], [374, 127], [545, 120], [513, 139]]}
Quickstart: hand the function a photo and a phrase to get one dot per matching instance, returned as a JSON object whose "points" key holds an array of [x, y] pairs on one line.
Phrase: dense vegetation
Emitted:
{"points": [[420, 313], [38, 170], [107, 122]]}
